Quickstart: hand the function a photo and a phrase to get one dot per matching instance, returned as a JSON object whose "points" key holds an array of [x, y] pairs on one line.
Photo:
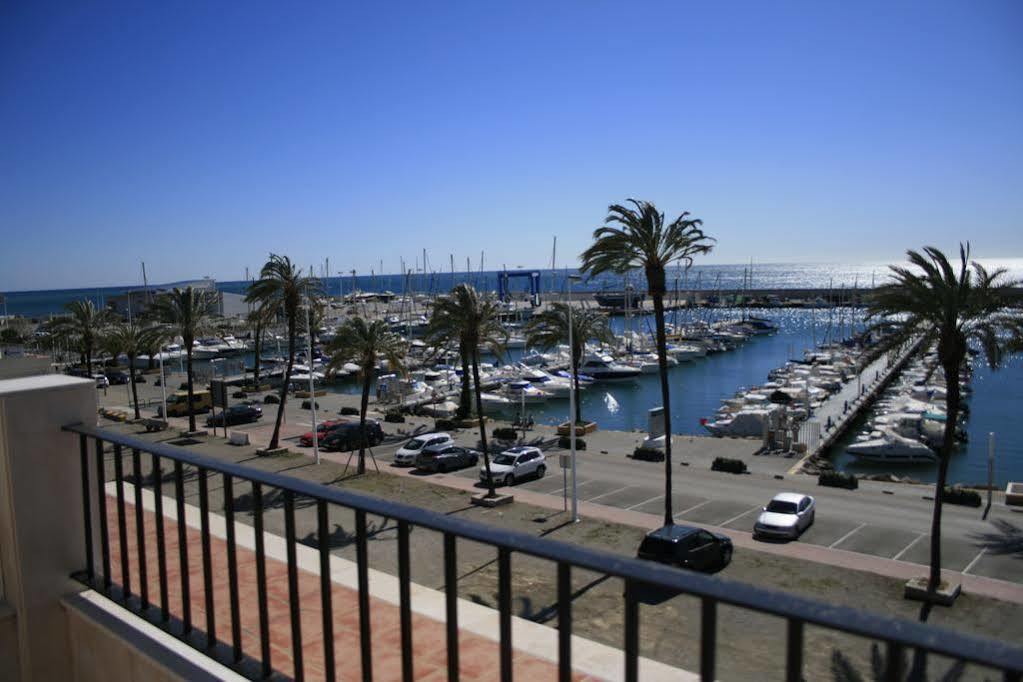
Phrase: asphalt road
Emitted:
{"points": [[889, 520]]}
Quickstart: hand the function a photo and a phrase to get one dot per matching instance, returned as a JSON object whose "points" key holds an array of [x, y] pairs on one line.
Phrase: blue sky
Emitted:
{"points": [[201, 136]]}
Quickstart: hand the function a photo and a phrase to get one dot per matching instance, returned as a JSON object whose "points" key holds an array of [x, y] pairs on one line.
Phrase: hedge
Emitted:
{"points": [[444, 425], [836, 479], [307, 405], [565, 442], [239, 394], [505, 433], [731, 466], [394, 416], [348, 411], [271, 400], [959, 495], [648, 454]]}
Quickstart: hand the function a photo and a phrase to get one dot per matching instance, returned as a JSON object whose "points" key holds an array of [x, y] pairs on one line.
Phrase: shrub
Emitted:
{"points": [[731, 466], [308, 405], [836, 479], [648, 454], [394, 416], [348, 411], [444, 425], [505, 433], [183, 386], [959, 495], [271, 400], [239, 394], [565, 443]]}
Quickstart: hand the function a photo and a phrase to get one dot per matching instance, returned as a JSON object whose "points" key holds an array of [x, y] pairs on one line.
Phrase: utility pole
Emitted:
{"points": [[312, 390], [571, 406]]}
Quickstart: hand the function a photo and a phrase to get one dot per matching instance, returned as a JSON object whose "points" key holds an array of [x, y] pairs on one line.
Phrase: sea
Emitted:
{"points": [[697, 387], [708, 278]]}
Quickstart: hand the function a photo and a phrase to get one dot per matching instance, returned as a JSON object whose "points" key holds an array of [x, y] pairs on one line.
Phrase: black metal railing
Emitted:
{"points": [[899, 636]]}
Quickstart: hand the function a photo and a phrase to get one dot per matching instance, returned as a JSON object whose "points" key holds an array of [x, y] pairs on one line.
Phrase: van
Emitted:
{"points": [[177, 404]]}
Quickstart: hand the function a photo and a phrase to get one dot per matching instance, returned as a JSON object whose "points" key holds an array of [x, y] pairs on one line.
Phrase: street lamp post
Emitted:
{"points": [[312, 389], [571, 403]]}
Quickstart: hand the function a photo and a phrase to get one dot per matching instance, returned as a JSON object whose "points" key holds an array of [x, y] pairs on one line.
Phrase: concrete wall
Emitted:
{"points": [[109, 644], [41, 540]]}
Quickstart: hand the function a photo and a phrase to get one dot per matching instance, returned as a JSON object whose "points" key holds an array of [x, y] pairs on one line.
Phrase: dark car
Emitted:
{"points": [[236, 414], [117, 378], [686, 547], [346, 436], [446, 457]]}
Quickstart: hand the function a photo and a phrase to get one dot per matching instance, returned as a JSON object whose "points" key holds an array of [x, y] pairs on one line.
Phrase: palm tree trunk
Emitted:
{"points": [[134, 388], [662, 368], [191, 393], [287, 380], [366, 378], [465, 398], [88, 360], [947, 444], [479, 413]]}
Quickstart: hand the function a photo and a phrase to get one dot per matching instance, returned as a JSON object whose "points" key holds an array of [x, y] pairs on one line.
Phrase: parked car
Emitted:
{"points": [[346, 436], [787, 515], [117, 378], [101, 380], [446, 457], [515, 464], [407, 453], [322, 429], [686, 547], [235, 414]]}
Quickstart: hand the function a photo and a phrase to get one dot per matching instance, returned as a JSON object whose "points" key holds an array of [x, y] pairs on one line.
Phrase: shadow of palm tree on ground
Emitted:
{"points": [[843, 670], [272, 499], [1006, 540], [341, 537]]}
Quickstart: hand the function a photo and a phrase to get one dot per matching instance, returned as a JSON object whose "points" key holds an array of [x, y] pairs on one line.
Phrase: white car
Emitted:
{"points": [[514, 464], [785, 516], [101, 380], [406, 455]]}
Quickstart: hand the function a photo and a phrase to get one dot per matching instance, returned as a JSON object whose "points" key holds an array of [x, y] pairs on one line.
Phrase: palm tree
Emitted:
{"points": [[442, 333], [365, 343], [188, 313], [638, 238], [81, 328], [132, 339], [550, 328], [475, 321], [929, 299], [279, 291]]}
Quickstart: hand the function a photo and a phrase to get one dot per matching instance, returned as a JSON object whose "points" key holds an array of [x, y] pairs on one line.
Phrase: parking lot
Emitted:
{"points": [[970, 555]]}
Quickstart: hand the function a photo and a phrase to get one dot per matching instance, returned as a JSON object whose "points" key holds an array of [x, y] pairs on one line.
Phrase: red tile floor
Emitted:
{"points": [[478, 656]]}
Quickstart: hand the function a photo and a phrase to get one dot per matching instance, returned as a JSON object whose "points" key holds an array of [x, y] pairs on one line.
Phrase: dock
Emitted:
{"points": [[831, 420]]}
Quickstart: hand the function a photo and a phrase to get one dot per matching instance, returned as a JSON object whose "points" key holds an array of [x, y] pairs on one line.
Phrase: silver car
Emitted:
{"points": [[785, 516]]}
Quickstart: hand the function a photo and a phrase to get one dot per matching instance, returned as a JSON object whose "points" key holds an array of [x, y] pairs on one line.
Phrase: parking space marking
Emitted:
{"points": [[693, 508], [645, 502], [578, 485], [909, 546], [975, 560], [597, 497], [739, 516], [846, 536]]}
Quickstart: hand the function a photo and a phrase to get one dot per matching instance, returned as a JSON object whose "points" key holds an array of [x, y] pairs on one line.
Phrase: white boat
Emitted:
{"points": [[891, 448], [496, 401], [746, 423], [521, 391], [556, 387], [603, 368]]}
